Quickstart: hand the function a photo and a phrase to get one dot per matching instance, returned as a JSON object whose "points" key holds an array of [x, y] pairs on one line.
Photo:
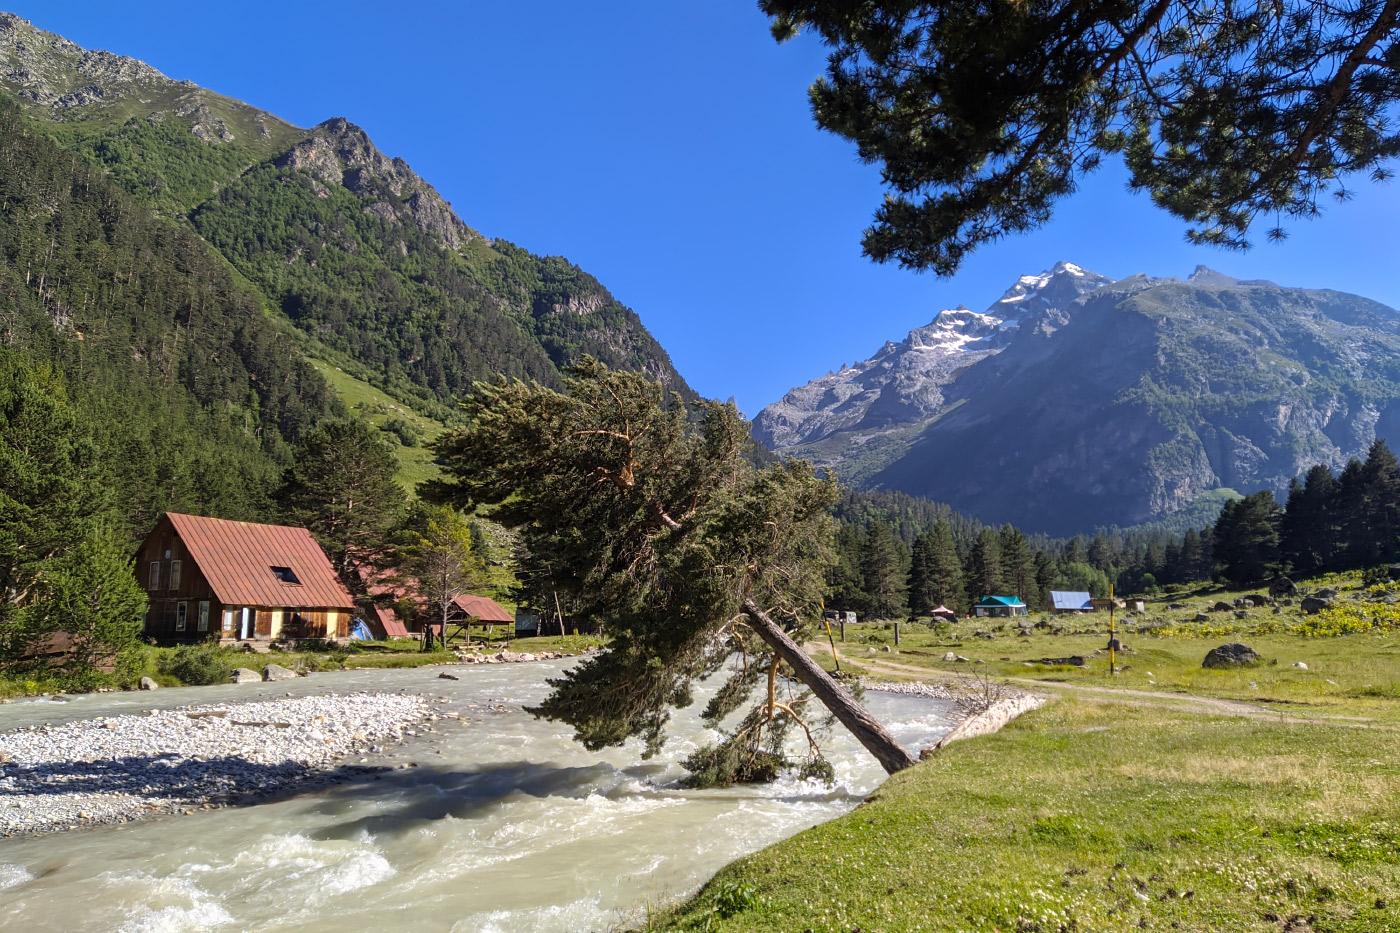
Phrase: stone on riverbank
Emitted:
{"points": [[245, 675], [149, 684], [273, 672]]}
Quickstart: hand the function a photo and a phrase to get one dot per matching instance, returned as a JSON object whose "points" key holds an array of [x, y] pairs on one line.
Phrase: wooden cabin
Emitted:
{"points": [[209, 578]]}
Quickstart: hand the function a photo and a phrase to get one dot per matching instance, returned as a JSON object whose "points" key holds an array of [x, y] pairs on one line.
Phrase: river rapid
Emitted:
{"points": [[500, 822]]}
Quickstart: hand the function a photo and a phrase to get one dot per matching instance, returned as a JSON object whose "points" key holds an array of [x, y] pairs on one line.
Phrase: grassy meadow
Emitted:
{"points": [[1136, 800]]}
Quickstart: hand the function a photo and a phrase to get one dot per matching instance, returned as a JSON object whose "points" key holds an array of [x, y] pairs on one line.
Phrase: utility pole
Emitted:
{"points": [[1112, 638]]}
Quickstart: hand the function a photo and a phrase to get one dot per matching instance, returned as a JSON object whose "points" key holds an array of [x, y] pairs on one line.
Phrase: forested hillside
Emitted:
{"points": [[190, 388], [363, 256]]}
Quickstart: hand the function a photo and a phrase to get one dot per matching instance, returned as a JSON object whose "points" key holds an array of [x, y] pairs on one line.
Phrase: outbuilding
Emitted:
{"points": [[1004, 607], [1067, 601], [210, 578]]}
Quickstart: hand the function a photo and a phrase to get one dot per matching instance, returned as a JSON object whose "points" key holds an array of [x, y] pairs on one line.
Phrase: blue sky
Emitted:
{"points": [[668, 149]]}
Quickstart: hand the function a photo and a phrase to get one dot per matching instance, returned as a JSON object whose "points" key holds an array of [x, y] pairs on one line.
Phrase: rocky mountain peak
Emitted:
{"points": [[1207, 277], [339, 153], [47, 69], [902, 383]]}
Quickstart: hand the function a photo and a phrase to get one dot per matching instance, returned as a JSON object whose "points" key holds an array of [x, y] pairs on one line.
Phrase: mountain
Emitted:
{"points": [[191, 392], [1076, 402], [360, 259]]}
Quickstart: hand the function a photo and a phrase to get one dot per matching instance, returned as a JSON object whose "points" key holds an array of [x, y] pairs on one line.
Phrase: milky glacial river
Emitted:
{"points": [[506, 824]]}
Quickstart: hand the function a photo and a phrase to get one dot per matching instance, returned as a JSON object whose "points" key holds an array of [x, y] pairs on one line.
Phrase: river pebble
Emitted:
{"points": [[117, 769]]}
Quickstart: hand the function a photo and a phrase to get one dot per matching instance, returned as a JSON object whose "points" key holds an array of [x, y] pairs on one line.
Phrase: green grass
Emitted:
{"points": [[1347, 674], [415, 463], [1096, 817]]}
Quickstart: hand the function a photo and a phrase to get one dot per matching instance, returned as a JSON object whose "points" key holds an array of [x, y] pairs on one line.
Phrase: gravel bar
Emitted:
{"points": [[123, 768], [915, 688]]}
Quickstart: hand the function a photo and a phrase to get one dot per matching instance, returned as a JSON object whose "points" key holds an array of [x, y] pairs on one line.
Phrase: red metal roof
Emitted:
{"points": [[484, 608], [237, 559]]}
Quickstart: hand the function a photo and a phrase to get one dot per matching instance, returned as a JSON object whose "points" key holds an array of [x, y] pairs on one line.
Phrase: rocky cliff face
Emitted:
{"points": [[1131, 400], [340, 153], [71, 84]]}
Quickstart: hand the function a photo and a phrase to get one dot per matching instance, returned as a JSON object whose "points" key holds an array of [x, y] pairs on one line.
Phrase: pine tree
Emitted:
{"points": [[652, 517], [50, 492], [1246, 538], [1307, 532], [1348, 519], [935, 576], [1101, 553], [882, 572], [984, 576], [982, 116], [342, 487], [1045, 573], [1381, 475], [1017, 563], [92, 596]]}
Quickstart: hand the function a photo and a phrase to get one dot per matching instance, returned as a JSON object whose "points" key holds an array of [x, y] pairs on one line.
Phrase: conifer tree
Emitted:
{"points": [[984, 576], [1246, 538], [92, 596], [1381, 515], [1017, 563], [1045, 573], [659, 524], [342, 487], [50, 493], [882, 571], [1101, 553], [935, 577], [1307, 531], [982, 116]]}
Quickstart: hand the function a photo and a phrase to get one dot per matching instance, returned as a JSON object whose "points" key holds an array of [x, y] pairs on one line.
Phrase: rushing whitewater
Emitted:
{"points": [[498, 822]]}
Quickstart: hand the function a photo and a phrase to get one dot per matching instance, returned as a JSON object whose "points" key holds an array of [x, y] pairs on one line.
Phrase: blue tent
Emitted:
{"points": [[359, 630]]}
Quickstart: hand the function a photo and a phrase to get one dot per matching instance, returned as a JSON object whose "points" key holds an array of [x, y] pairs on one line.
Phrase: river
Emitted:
{"points": [[502, 823]]}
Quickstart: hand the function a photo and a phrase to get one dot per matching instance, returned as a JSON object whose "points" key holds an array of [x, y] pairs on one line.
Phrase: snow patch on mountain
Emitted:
{"points": [[902, 383]]}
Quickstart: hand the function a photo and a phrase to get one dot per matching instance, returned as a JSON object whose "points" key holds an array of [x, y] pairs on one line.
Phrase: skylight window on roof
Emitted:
{"points": [[286, 575]]}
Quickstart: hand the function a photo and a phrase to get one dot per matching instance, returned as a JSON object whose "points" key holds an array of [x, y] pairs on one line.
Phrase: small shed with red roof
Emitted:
{"points": [[239, 581]]}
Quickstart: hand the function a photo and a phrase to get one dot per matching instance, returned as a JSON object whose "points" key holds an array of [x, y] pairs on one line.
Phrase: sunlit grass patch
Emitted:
{"points": [[1100, 817]]}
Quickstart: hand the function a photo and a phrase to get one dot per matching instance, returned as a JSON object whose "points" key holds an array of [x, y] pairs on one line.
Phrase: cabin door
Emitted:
{"points": [[245, 625]]}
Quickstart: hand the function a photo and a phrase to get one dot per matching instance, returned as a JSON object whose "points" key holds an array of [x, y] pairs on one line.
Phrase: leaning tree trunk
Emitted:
{"points": [[865, 727]]}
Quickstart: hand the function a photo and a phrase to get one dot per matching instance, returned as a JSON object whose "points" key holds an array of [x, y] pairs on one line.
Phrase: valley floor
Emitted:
{"points": [[1165, 797]]}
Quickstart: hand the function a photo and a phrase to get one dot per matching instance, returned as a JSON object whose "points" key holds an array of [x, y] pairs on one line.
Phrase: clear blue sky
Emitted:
{"points": [[668, 149]]}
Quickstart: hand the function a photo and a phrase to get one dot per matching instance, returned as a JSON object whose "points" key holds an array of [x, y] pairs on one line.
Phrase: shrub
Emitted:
{"points": [[197, 665]]}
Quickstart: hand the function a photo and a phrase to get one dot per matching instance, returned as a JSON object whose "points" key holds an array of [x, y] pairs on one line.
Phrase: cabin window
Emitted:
{"points": [[228, 621], [174, 574], [154, 582], [181, 610], [285, 575], [203, 622]]}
